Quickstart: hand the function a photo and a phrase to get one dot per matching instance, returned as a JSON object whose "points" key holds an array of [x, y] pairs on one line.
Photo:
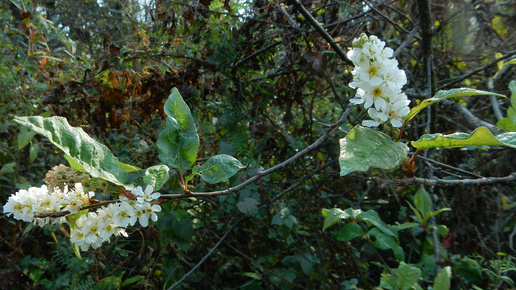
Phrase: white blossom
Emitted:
{"points": [[378, 81]]}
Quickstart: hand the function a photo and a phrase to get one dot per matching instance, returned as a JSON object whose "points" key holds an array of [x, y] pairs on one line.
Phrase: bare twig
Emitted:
{"points": [[470, 120], [407, 40], [444, 182], [465, 76], [388, 19], [460, 170], [321, 31]]}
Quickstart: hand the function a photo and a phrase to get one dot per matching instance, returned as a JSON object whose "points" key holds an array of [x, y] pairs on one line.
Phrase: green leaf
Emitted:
{"points": [[128, 168], [419, 216], [132, 280], [372, 217], [507, 125], [442, 280], [422, 201], [506, 204], [72, 218], [156, 176], [219, 168], [333, 216], [284, 217], [405, 277], [178, 144], [479, 137], [93, 156], [512, 61], [364, 147], [348, 232], [176, 227], [443, 95], [383, 241], [33, 151], [433, 213], [508, 139], [24, 137], [248, 206], [8, 168], [301, 263]]}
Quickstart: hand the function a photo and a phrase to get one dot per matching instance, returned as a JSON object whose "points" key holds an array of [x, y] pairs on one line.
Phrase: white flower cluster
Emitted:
{"points": [[25, 204], [378, 81], [91, 228]]}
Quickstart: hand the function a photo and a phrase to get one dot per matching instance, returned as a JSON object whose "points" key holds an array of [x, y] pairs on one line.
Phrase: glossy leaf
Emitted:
{"points": [[479, 137], [348, 232], [383, 241], [442, 280], [443, 95], [364, 147], [93, 156], [219, 168], [156, 176], [422, 201], [373, 217], [333, 216], [178, 144]]}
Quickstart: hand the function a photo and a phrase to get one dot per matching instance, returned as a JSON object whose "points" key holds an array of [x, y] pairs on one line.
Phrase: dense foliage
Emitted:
{"points": [[263, 83]]}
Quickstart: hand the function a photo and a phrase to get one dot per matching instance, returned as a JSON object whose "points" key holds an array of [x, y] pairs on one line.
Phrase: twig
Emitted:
{"points": [[205, 256], [388, 19], [449, 166], [491, 86], [465, 76], [407, 40], [64, 213], [470, 120], [321, 31], [443, 182]]}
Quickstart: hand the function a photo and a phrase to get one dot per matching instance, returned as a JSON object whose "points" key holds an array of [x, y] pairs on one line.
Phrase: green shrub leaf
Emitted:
{"points": [[422, 201], [93, 156], [219, 168], [509, 123], [442, 280], [348, 232], [443, 95], [405, 277], [333, 216], [178, 144], [364, 147], [156, 176], [479, 137]]}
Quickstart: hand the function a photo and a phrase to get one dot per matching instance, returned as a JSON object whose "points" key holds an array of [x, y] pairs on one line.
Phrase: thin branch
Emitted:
{"points": [[388, 19], [444, 182], [64, 213], [470, 120], [321, 31], [407, 40], [460, 170], [465, 76], [205, 256]]}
